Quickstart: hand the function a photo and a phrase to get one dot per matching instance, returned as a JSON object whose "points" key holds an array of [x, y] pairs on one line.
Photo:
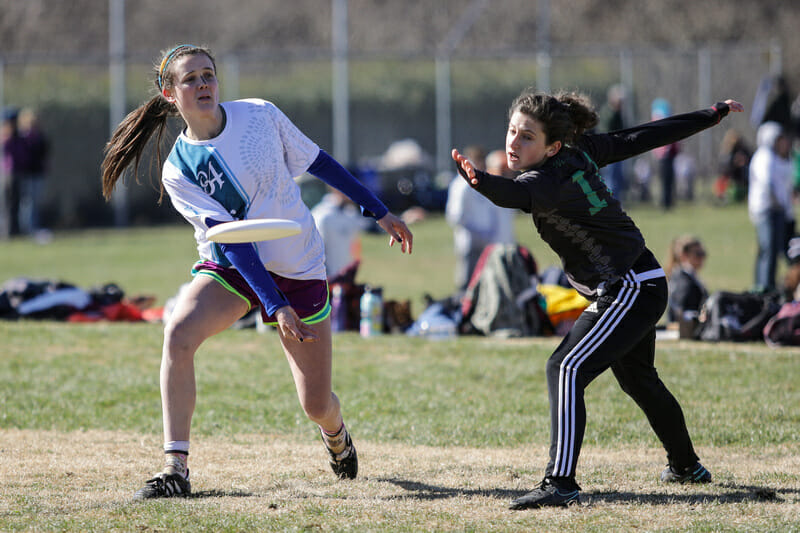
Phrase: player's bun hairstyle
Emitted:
{"points": [[134, 132], [564, 116]]}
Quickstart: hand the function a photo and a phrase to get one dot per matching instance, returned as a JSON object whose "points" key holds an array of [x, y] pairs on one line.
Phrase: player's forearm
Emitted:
{"points": [[331, 172], [502, 191], [639, 139]]}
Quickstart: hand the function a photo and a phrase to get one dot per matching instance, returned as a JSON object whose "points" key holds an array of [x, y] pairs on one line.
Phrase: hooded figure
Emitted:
{"points": [[770, 179], [769, 200]]}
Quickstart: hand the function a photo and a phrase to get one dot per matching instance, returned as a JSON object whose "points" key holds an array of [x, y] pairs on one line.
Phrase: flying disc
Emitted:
{"points": [[261, 229]]}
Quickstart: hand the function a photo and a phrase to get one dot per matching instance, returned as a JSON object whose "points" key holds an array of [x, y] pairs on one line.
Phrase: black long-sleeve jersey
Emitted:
{"points": [[573, 210]]}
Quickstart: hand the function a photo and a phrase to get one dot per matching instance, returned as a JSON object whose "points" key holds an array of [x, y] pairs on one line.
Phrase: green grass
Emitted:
{"points": [[43, 358], [449, 430], [394, 388]]}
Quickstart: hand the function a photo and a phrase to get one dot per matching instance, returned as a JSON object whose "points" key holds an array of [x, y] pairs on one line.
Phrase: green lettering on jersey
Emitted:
{"points": [[597, 203]]}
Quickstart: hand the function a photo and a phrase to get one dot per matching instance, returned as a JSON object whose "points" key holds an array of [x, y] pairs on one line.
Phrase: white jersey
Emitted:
{"points": [[247, 172]]}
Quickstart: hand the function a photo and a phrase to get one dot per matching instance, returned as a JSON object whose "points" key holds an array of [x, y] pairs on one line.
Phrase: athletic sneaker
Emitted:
{"points": [[167, 484], [345, 464], [693, 474], [551, 492]]}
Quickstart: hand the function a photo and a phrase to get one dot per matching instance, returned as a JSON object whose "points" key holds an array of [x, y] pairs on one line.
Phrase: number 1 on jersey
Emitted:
{"points": [[597, 203]]}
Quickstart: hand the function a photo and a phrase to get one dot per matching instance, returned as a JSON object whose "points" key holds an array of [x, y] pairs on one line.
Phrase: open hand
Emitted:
{"points": [[735, 106], [398, 232], [465, 168], [291, 327]]}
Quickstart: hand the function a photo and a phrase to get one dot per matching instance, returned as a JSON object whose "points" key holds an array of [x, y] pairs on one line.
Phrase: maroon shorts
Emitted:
{"points": [[308, 297]]}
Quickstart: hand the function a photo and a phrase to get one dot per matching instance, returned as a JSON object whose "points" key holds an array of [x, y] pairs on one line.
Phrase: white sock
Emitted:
{"points": [[335, 441], [177, 456]]}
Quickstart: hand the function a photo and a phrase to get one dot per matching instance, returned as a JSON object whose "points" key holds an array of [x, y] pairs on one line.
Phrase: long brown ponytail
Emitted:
{"points": [[130, 138]]}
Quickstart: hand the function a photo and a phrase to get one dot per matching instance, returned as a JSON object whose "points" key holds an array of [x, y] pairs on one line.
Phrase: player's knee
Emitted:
{"points": [[317, 409], [553, 368], [638, 391], [179, 340]]}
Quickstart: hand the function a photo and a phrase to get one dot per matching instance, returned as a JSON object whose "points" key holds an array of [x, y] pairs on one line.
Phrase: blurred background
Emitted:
{"points": [[387, 87]]}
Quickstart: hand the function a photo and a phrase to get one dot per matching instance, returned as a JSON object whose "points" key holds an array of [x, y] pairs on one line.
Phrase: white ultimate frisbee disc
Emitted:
{"points": [[260, 229]]}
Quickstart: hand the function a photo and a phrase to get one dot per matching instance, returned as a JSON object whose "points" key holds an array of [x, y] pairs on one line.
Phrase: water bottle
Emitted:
{"points": [[371, 312], [338, 309]]}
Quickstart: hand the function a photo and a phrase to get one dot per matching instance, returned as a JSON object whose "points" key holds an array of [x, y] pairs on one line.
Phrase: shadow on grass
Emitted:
{"points": [[203, 494], [423, 491], [216, 493], [733, 494]]}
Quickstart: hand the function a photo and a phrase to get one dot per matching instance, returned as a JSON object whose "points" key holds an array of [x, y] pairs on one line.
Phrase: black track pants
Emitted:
{"points": [[617, 331]]}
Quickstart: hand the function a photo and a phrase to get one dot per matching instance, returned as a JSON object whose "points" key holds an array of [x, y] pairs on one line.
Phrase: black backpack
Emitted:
{"points": [[732, 316]]}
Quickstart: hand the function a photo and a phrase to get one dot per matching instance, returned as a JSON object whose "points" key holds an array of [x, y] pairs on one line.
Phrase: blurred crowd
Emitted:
{"points": [[25, 154], [763, 173]]}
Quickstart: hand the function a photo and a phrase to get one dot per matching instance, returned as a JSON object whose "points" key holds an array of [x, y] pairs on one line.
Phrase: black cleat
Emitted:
{"points": [[551, 492], [696, 473], [167, 484], [345, 464]]}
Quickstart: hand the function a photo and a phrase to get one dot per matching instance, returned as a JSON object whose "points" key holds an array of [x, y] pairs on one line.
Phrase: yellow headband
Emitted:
{"points": [[167, 59]]}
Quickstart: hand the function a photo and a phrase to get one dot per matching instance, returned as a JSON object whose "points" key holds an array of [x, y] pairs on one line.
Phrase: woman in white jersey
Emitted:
{"points": [[235, 161]]}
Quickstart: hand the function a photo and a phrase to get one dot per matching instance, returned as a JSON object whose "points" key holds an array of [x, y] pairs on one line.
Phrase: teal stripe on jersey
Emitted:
{"points": [[227, 169], [203, 167]]}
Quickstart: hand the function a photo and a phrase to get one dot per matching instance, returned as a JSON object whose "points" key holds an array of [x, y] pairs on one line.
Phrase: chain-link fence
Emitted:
{"points": [[390, 98]]}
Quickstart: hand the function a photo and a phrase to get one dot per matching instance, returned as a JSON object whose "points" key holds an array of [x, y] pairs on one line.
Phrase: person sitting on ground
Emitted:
{"points": [[686, 292]]}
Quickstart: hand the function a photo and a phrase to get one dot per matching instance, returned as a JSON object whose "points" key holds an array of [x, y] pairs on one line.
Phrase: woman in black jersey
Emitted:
{"points": [[605, 258]]}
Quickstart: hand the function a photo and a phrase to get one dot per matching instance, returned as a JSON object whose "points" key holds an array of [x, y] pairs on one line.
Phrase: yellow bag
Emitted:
{"points": [[563, 304]]}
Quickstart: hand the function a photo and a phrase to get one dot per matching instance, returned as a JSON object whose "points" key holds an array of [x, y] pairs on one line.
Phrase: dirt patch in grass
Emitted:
{"points": [[85, 480]]}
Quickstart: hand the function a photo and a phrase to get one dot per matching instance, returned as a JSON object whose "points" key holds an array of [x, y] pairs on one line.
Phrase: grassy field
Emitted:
{"points": [[448, 432]]}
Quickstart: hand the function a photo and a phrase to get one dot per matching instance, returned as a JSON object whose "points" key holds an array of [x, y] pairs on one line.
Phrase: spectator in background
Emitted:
{"points": [[610, 118], [685, 175], [773, 103], [5, 180], [32, 173], [474, 219], [14, 156], [497, 164], [734, 160], [665, 155], [340, 223], [769, 200], [643, 174], [686, 292]]}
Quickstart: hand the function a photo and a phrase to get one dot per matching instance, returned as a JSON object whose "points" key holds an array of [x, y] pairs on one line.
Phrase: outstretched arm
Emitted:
{"points": [[331, 172], [334, 174], [501, 191], [623, 144]]}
